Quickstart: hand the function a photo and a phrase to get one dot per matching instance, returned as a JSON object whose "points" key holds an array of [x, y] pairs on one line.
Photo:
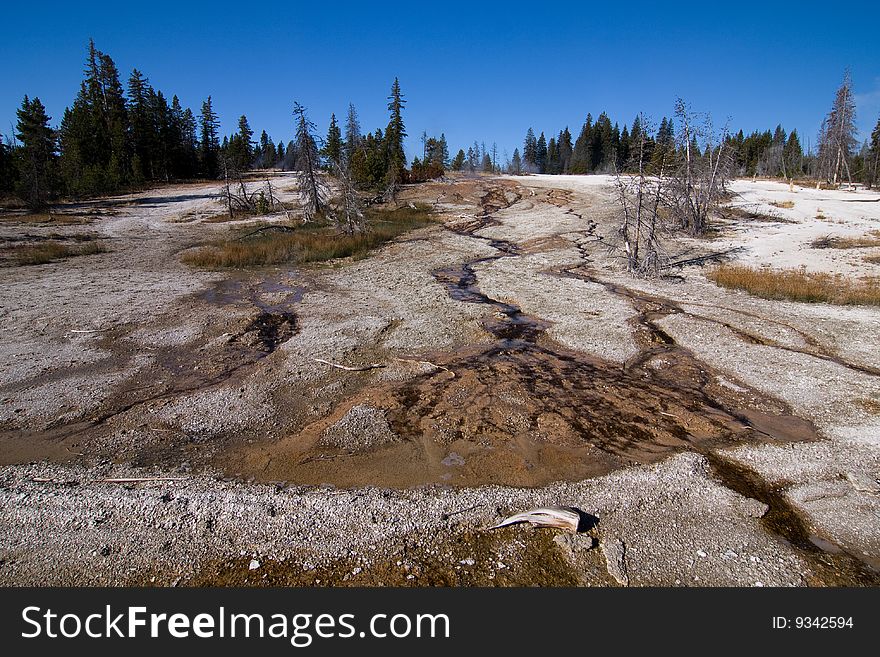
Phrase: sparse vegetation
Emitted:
{"points": [[751, 214], [870, 240], [39, 254], [786, 205], [280, 243], [43, 218], [798, 285]]}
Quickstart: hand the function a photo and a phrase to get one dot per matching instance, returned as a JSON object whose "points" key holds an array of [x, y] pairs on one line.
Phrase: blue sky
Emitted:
{"points": [[475, 70]]}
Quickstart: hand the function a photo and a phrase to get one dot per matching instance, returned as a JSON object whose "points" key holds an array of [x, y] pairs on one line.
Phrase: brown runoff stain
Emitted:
{"points": [[524, 411]]}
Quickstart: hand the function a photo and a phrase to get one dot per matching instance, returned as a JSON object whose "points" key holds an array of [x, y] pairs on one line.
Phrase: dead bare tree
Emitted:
{"points": [[313, 190], [696, 184], [639, 196], [837, 137], [260, 201], [349, 215]]}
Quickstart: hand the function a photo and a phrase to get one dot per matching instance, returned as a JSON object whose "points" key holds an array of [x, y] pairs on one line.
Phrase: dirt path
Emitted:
{"points": [[513, 351]]}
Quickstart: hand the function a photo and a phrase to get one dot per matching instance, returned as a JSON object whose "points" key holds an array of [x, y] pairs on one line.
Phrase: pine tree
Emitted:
{"points": [[332, 151], [601, 143], [486, 164], [190, 143], [458, 160], [36, 155], [142, 130], [793, 155], [530, 151], [553, 166], [209, 146], [111, 108], [269, 154], [352, 133], [664, 145], [394, 135], [541, 154], [163, 135], [444, 151], [563, 143], [623, 154], [515, 163], [580, 156], [872, 163], [7, 170], [94, 131], [239, 151]]}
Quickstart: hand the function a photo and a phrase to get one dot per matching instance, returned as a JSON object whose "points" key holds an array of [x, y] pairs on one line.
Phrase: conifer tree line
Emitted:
{"points": [[603, 147], [117, 136]]}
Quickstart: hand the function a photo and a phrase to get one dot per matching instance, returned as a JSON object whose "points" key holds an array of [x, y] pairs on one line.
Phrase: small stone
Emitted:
{"points": [[863, 482], [253, 565], [702, 554], [467, 562]]}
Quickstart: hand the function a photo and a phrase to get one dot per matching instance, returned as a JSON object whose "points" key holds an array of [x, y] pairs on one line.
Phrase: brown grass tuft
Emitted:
{"points": [[870, 240], [786, 205], [39, 254], [43, 218], [798, 285], [272, 244]]}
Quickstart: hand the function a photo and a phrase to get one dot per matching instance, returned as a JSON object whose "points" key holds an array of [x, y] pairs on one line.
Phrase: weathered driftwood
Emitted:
{"points": [[561, 517], [425, 362], [361, 368], [134, 480], [112, 480]]}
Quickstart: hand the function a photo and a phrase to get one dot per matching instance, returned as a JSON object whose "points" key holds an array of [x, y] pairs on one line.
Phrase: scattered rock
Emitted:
{"points": [[253, 565], [614, 551], [574, 542]]}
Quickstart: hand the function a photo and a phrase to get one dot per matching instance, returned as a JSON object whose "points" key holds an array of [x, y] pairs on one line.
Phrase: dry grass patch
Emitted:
{"points": [[786, 205], [752, 213], [39, 254], [272, 244], [43, 218], [798, 285], [874, 259], [868, 241]]}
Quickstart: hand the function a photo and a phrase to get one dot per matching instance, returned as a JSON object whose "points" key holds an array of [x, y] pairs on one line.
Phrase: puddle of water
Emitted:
{"points": [[239, 292]]}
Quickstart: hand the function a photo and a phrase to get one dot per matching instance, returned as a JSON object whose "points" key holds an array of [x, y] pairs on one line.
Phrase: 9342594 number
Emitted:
{"points": [[822, 622]]}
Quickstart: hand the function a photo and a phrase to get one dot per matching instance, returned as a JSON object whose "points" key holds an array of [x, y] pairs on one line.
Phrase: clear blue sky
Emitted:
{"points": [[475, 70]]}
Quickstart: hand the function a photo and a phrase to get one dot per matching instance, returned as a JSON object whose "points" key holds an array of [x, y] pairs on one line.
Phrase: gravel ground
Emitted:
{"points": [[164, 362], [677, 525]]}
